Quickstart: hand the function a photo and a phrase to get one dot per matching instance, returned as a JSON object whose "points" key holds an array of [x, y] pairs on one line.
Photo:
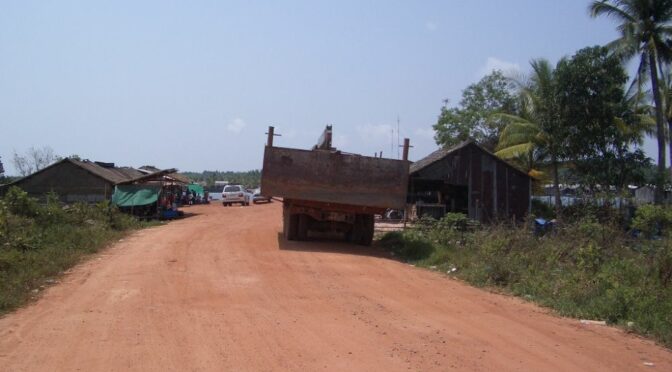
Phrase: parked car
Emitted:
{"points": [[258, 198], [235, 194]]}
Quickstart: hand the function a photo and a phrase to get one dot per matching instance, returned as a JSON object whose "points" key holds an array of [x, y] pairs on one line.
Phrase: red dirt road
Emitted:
{"points": [[220, 291]]}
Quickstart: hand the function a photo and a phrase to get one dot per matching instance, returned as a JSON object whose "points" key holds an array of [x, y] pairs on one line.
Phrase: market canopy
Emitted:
{"points": [[196, 188], [135, 195]]}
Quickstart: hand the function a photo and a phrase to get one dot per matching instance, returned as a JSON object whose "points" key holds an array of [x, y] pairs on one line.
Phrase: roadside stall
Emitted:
{"points": [[155, 195], [197, 193], [138, 200]]}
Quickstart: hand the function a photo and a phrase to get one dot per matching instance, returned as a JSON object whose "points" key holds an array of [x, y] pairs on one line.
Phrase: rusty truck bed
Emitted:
{"points": [[334, 177]]}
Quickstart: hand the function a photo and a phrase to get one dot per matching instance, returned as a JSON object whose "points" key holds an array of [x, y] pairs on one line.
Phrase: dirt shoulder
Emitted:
{"points": [[222, 291]]}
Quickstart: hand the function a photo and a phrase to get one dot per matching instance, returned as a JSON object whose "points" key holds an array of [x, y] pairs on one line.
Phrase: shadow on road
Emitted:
{"points": [[322, 245]]}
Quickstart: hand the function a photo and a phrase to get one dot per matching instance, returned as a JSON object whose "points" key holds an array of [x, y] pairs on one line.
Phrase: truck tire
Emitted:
{"points": [[289, 224], [367, 228], [362, 230], [303, 226], [355, 234]]}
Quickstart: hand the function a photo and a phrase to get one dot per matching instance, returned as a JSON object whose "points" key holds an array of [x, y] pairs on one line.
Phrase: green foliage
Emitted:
{"points": [[645, 31], [600, 126], [18, 202], [589, 268], [471, 119], [652, 220], [532, 139], [409, 245], [590, 92], [38, 241]]}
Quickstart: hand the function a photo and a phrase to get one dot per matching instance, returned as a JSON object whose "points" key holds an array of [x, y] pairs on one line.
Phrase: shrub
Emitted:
{"points": [[18, 202], [652, 220], [588, 267], [41, 240], [409, 245]]}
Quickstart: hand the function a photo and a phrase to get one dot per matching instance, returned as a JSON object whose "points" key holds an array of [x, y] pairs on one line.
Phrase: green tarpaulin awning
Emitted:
{"points": [[196, 187], [135, 195]]}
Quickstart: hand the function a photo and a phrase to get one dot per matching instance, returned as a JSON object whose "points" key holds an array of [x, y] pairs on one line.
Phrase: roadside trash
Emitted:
{"points": [[593, 322], [649, 364], [541, 226], [630, 324], [433, 267]]}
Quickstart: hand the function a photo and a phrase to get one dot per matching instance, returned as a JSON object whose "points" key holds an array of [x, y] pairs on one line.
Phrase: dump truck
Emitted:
{"points": [[328, 192]]}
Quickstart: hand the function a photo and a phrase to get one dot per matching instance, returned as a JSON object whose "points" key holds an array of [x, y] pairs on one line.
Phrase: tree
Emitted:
{"points": [[646, 31], [2, 169], [33, 160], [594, 112], [590, 94], [493, 93], [535, 134]]}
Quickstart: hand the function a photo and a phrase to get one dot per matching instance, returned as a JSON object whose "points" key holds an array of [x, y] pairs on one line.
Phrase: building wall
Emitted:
{"points": [[495, 189], [71, 183]]}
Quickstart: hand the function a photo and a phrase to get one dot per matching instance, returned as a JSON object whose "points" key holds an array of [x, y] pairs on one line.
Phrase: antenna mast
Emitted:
{"points": [[397, 137]]}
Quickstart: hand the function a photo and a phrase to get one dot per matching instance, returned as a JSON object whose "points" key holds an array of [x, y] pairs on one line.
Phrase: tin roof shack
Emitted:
{"points": [[152, 195], [75, 181], [471, 180]]}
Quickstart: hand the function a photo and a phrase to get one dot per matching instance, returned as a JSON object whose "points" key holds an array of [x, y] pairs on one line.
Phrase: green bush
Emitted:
{"points": [[652, 220], [587, 268], [38, 241], [409, 245]]}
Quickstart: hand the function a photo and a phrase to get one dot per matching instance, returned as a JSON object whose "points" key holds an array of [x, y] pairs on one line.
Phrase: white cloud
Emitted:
{"points": [[431, 26], [493, 63], [236, 125]]}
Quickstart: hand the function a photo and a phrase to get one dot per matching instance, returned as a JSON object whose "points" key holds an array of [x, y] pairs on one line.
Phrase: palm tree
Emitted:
{"points": [[646, 31], [529, 138], [666, 77]]}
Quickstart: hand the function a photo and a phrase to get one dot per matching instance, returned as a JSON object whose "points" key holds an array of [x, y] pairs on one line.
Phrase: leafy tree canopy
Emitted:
{"points": [[590, 89], [472, 117]]}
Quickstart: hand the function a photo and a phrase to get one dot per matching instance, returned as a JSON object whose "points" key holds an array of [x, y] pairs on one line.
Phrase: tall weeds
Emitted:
{"points": [[584, 269], [39, 241]]}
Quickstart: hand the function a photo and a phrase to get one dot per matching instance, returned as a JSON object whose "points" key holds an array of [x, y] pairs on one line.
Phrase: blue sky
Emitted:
{"points": [[194, 85]]}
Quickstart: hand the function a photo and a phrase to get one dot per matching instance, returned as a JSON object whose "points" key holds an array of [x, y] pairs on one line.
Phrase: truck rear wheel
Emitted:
{"points": [[367, 229], [303, 226], [289, 224], [362, 230]]}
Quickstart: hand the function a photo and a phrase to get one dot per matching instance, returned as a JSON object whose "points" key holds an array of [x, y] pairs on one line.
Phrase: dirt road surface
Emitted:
{"points": [[221, 291]]}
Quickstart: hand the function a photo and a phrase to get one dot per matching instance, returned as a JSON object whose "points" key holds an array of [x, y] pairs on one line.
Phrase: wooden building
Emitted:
{"points": [[471, 180], [76, 181]]}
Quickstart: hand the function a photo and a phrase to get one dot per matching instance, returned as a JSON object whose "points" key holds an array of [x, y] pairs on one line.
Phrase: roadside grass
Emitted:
{"points": [[40, 241], [586, 269]]}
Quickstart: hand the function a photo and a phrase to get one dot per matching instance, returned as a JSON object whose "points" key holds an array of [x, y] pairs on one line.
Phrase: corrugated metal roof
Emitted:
{"points": [[113, 174], [148, 169]]}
